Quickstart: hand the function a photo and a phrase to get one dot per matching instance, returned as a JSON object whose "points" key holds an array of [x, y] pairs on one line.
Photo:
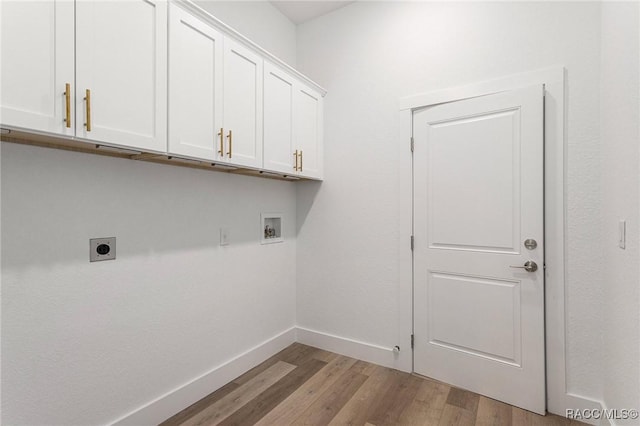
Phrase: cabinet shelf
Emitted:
{"points": [[54, 142]]}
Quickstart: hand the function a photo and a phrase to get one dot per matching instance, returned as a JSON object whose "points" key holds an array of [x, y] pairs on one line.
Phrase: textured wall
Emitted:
{"points": [[87, 343], [368, 55], [260, 22], [620, 118]]}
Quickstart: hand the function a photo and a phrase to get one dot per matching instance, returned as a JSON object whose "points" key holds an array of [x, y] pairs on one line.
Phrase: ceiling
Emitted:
{"points": [[302, 11]]}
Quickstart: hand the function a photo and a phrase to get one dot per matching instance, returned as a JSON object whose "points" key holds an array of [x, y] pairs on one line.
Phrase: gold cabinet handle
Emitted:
{"points": [[87, 98], [230, 136], [221, 150], [295, 158], [67, 98], [300, 160]]}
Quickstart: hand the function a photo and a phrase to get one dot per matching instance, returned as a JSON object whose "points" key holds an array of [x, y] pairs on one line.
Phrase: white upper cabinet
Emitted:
{"points": [[157, 76], [121, 68], [215, 94], [37, 59], [292, 125], [195, 87], [95, 70], [279, 149], [307, 131], [242, 106]]}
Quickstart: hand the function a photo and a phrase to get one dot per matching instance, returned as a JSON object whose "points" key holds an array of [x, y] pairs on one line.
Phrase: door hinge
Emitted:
{"points": [[412, 341], [412, 243], [412, 144]]}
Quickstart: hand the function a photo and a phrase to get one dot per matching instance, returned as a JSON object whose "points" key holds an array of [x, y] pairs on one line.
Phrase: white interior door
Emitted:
{"points": [[478, 196], [195, 87], [121, 57]]}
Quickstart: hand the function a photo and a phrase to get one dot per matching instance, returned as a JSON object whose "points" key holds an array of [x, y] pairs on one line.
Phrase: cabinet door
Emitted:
{"points": [[242, 107], [36, 57], [308, 130], [278, 120], [195, 87], [121, 57]]}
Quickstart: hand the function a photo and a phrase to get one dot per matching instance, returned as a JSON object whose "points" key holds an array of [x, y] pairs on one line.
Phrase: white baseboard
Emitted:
{"points": [[353, 348], [387, 358], [172, 402]]}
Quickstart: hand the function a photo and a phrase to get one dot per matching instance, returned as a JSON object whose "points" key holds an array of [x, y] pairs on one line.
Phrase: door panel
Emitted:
{"points": [[243, 104], [490, 330], [458, 154], [278, 120], [37, 59], [478, 194], [195, 87], [121, 58]]}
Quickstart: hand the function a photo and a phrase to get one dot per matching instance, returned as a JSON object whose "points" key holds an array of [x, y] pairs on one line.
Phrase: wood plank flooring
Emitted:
{"points": [[302, 385]]}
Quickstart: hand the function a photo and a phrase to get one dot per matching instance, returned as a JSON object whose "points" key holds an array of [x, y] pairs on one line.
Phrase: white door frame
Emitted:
{"points": [[558, 398]]}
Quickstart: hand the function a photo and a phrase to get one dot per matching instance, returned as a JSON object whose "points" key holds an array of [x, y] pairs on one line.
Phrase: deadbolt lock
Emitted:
{"points": [[530, 243]]}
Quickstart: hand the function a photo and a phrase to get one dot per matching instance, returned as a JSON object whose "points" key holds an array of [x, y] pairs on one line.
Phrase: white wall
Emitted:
{"points": [[86, 343], [260, 22], [368, 55], [620, 118]]}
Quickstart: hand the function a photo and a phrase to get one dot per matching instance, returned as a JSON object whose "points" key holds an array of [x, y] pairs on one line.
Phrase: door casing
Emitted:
{"points": [[558, 399]]}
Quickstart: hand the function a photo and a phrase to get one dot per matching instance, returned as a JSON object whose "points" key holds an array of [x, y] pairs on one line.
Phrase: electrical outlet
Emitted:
{"points": [[224, 236], [102, 249]]}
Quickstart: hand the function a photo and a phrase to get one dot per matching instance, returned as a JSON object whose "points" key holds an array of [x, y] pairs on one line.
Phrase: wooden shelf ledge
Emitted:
{"points": [[55, 142]]}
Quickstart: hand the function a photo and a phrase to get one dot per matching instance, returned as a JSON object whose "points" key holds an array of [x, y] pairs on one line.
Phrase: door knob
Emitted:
{"points": [[529, 266]]}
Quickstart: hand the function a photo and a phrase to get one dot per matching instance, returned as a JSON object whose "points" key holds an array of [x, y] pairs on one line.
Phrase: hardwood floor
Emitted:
{"points": [[302, 385]]}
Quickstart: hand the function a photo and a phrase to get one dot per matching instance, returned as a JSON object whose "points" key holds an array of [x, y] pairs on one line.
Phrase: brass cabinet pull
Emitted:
{"points": [[67, 98], [221, 134], [230, 136], [300, 160], [88, 99], [295, 158]]}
